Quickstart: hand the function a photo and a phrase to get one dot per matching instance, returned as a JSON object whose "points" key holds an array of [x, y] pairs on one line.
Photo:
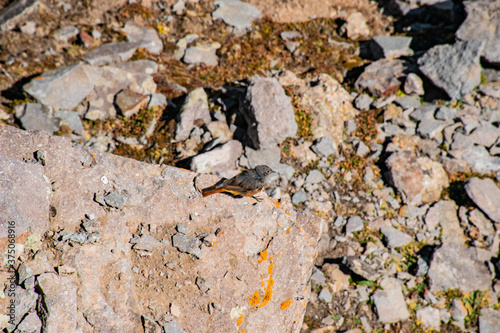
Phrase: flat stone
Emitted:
{"points": [[419, 180], [390, 47], [141, 67], [202, 53], [30, 324], [324, 146], [70, 119], [455, 266], [413, 85], [444, 214], [130, 103], [299, 197], [485, 136], [489, 321], [479, 159], [158, 99], [59, 306], [325, 295], [268, 112], [25, 302], [430, 128], [172, 327], [389, 301], [453, 68], [110, 80], [147, 243], [219, 160], [236, 13], [62, 88], [111, 53], [429, 317], [35, 117], [147, 38], [482, 223], [363, 102], [187, 244], [66, 33], [458, 313], [270, 157], [17, 12], [407, 101], [354, 223], [381, 77], [115, 199], [24, 272], [395, 237], [195, 107], [315, 177], [181, 45], [482, 22], [461, 141], [486, 195]]}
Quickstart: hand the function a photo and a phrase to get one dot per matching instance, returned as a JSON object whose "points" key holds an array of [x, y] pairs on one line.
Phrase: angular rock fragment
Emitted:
{"points": [[268, 112]]}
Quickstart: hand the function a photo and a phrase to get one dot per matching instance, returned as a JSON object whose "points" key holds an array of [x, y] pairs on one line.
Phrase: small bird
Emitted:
{"points": [[246, 184]]}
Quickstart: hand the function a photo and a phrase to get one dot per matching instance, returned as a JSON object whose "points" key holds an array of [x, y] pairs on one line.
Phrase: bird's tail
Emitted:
{"points": [[211, 190]]}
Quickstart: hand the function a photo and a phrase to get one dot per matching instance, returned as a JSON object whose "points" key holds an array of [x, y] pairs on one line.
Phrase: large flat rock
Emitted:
{"points": [[252, 273]]}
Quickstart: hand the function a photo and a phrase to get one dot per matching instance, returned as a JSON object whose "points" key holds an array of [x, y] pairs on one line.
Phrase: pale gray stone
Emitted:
{"points": [[453, 68], [147, 38], [479, 159], [455, 266], [389, 301], [489, 321], [220, 160], [111, 53], [324, 146], [70, 119], [482, 22], [299, 197], [380, 78], [66, 33], [354, 223], [30, 324], [395, 237], [486, 195], [36, 117], [444, 214], [413, 85], [485, 227], [325, 295], [115, 199], [268, 112], [62, 88], [195, 107], [147, 243], [236, 13], [485, 135], [461, 141], [187, 244], [315, 177], [363, 102], [429, 317], [172, 327], [390, 47], [408, 101], [202, 53]]}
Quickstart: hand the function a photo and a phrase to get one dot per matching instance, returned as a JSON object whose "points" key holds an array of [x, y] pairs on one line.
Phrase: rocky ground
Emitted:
{"points": [[381, 117]]}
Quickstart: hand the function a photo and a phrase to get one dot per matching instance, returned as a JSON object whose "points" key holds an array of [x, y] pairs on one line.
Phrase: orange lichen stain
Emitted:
{"points": [[242, 330], [268, 292], [288, 214], [213, 244], [278, 204], [300, 228], [254, 299], [315, 255], [261, 282], [239, 321], [287, 230], [286, 304], [270, 268], [263, 256]]}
